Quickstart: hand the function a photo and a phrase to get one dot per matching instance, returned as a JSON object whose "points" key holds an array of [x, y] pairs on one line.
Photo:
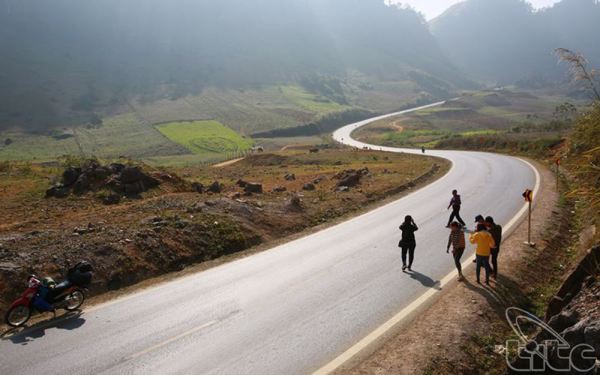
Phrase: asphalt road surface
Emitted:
{"points": [[289, 310]]}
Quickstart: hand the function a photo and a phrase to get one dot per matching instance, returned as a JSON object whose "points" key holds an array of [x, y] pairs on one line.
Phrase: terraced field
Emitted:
{"points": [[205, 137]]}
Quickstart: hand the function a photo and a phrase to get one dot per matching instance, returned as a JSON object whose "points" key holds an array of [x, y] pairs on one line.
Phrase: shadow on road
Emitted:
{"points": [[24, 335], [424, 279]]}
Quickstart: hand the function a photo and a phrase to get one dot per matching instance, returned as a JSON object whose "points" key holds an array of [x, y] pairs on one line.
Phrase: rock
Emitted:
{"points": [[295, 203], [111, 198], [58, 191], [252, 187], [135, 188], [342, 189], [198, 187], [241, 183], [591, 335], [319, 179], [116, 168], [290, 177], [564, 320], [131, 175], [82, 185], [280, 189], [309, 187], [70, 176], [215, 187], [574, 335], [313, 150], [350, 180]]}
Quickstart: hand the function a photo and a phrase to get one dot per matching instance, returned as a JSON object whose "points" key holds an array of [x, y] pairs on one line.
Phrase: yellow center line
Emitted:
{"points": [[172, 339]]}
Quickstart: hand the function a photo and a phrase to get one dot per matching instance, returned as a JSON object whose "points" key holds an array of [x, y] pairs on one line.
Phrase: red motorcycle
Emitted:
{"points": [[68, 295]]}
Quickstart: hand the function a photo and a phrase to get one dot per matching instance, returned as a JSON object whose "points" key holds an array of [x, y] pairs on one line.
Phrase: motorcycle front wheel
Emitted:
{"points": [[18, 315], [74, 300]]}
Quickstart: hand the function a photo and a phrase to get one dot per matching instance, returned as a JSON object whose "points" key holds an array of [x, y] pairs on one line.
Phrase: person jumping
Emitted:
{"points": [[455, 203]]}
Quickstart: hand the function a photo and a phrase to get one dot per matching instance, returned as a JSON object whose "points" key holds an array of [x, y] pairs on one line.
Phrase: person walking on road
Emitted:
{"points": [[408, 241], [455, 203], [457, 240], [496, 232], [484, 243]]}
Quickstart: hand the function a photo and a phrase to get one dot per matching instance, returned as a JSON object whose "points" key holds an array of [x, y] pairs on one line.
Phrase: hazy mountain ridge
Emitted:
{"points": [[66, 59], [507, 40]]}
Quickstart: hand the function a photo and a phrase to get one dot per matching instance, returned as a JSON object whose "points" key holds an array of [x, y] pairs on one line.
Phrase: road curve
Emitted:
{"points": [[288, 310]]}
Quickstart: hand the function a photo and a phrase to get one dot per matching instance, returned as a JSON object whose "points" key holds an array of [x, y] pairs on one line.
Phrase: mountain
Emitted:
{"points": [[63, 60], [506, 41]]}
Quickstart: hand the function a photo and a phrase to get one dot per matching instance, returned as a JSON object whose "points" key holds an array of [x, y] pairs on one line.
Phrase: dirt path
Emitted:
{"points": [[435, 342], [228, 162]]}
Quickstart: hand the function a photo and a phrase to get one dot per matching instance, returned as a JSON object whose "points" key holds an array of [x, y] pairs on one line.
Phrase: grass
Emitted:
{"points": [[311, 102], [475, 120], [205, 137]]}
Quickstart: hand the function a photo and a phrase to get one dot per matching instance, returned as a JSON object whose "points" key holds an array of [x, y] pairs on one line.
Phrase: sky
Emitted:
{"points": [[433, 8]]}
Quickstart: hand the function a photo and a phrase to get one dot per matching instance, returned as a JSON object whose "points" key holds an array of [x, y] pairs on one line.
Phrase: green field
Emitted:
{"points": [[205, 137]]}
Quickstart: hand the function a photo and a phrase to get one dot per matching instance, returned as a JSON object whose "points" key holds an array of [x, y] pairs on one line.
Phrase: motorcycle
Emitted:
{"points": [[68, 295]]}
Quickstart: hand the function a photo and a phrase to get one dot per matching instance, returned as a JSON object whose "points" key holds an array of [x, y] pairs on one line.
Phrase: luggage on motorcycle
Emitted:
{"points": [[84, 266]]}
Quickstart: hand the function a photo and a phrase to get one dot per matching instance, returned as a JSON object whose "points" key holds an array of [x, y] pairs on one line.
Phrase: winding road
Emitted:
{"points": [[305, 306]]}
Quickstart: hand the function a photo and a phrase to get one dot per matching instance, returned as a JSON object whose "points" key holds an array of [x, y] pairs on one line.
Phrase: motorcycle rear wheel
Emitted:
{"points": [[74, 300], [17, 316]]}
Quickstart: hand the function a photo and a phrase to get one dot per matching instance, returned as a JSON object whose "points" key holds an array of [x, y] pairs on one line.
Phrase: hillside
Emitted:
{"points": [[69, 62], [506, 41]]}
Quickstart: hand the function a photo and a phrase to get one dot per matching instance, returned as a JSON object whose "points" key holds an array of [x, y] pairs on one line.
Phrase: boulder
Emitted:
{"points": [[350, 180], [198, 187], [135, 188], [592, 336], [131, 175], [58, 191], [564, 320], [216, 187], [252, 187], [116, 168], [82, 185], [70, 176], [309, 187], [280, 189]]}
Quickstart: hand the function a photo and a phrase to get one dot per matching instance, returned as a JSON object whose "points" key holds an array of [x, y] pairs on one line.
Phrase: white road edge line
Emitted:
{"points": [[404, 313], [172, 339]]}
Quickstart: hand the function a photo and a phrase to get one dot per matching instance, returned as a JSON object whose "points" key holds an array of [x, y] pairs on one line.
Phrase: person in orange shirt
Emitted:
{"points": [[484, 243]]}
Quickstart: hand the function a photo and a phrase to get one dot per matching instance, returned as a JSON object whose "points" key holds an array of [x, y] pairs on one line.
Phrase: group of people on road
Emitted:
{"points": [[487, 237]]}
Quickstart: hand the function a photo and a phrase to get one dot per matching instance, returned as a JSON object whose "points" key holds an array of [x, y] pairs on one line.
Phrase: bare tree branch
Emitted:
{"points": [[578, 69]]}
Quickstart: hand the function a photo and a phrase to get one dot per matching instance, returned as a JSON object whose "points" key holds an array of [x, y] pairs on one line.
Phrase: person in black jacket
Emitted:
{"points": [[455, 203], [408, 241], [496, 232]]}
